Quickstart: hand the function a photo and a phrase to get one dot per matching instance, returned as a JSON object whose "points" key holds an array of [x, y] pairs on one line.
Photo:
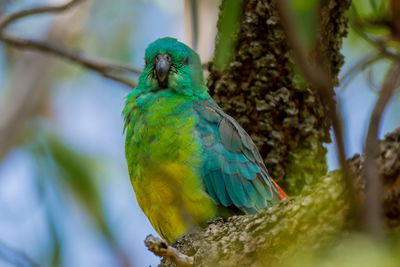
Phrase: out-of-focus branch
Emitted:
{"points": [[162, 249], [372, 205], [392, 25], [24, 97], [7, 20], [105, 68], [360, 65], [14, 257], [321, 82], [395, 22], [372, 208], [379, 44]]}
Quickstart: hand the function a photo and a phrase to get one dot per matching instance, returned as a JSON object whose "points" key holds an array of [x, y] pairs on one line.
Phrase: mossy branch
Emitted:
{"points": [[306, 224]]}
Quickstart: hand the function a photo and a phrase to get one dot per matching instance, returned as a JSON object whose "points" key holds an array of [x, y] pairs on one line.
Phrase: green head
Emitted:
{"points": [[172, 65]]}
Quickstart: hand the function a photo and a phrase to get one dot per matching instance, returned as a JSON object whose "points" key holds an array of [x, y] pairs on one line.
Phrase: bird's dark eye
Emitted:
{"points": [[168, 58], [186, 61], [146, 62]]}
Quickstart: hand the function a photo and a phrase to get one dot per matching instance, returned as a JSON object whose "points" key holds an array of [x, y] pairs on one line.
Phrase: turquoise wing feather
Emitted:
{"points": [[233, 171]]}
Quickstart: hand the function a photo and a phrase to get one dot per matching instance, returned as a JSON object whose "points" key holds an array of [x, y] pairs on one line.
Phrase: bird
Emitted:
{"points": [[188, 161]]}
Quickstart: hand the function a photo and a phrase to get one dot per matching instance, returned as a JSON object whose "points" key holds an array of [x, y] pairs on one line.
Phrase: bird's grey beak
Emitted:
{"points": [[163, 64]]}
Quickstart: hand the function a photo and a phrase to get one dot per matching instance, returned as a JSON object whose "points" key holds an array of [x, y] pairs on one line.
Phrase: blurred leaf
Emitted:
{"points": [[70, 169], [306, 20], [301, 5], [372, 9], [383, 6], [373, 5], [378, 30], [362, 7], [72, 172], [55, 252], [228, 29], [368, 19], [52, 250], [355, 250]]}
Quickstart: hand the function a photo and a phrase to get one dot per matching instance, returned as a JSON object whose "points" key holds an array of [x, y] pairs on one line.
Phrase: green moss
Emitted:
{"points": [[304, 158]]}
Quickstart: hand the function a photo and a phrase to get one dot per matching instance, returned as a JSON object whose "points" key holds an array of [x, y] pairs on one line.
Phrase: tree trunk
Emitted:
{"points": [[263, 91]]}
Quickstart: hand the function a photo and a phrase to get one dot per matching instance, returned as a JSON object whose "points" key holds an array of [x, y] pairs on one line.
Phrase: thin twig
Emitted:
{"points": [[359, 27], [372, 205], [7, 20], [107, 69], [321, 82], [352, 72], [372, 208], [103, 67], [370, 80], [162, 249], [23, 99]]}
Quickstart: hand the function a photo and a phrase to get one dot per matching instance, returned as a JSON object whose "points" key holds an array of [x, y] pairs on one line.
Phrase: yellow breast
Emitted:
{"points": [[173, 199]]}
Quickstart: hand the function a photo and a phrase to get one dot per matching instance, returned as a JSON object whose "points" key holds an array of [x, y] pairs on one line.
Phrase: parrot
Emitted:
{"points": [[188, 161]]}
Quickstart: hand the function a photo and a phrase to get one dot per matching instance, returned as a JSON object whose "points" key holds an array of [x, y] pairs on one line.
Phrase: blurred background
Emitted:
{"points": [[65, 194]]}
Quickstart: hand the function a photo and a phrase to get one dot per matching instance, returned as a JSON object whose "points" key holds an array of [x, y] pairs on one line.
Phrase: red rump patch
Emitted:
{"points": [[282, 194]]}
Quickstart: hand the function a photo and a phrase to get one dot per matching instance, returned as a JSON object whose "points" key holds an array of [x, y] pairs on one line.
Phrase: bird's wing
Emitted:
{"points": [[233, 171]]}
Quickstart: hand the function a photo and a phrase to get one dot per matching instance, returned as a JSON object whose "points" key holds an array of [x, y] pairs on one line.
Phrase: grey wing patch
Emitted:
{"points": [[229, 135]]}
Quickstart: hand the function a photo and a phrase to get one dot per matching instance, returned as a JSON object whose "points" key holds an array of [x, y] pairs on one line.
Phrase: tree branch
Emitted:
{"points": [[7, 20], [372, 209], [359, 25], [105, 68], [162, 249], [360, 65], [312, 223]]}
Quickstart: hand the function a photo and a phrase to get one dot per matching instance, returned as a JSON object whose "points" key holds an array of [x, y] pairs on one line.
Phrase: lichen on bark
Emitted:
{"points": [[263, 91]]}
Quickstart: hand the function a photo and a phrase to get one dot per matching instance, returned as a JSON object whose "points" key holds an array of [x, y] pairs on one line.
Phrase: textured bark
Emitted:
{"points": [[389, 169], [309, 223], [332, 28], [262, 90]]}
